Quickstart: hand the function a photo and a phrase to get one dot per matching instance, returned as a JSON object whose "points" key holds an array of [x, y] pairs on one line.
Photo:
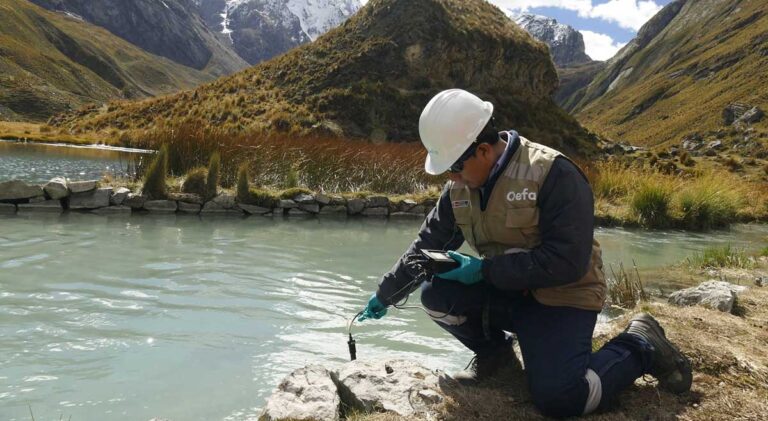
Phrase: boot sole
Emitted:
{"points": [[681, 379]]}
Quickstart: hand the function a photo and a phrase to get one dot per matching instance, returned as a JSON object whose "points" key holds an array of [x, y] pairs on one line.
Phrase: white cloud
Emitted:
{"points": [[600, 46], [629, 14]]}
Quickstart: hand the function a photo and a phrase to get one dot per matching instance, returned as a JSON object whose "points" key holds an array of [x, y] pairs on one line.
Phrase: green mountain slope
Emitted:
{"points": [[371, 77], [685, 66], [50, 63]]}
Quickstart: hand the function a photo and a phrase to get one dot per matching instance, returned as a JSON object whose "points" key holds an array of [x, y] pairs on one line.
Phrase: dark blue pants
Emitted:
{"points": [[556, 343]]}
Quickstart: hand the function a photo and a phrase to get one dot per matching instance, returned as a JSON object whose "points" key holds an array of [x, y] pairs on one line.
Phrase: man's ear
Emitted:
{"points": [[484, 149]]}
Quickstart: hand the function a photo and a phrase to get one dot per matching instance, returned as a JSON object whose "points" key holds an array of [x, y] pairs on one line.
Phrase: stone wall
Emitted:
{"points": [[61, 195]]}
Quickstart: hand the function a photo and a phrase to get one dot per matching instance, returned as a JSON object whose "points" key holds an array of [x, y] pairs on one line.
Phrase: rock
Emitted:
{"points": [[377, 212], [419, 210], [713, 294], [304, 199], [56, 188], [733, 112], [44, 206], [215, 208], [7, 208], [225, 200], [37, 199], [691, 145], [81, 186], [308, 393], [185, 207], [187, 197], [161, 206], [18, 190], [406, 215], [406, 205], [310, 207], [322, 199], [119, 196], [287, 204], [135, 201], [715, 144], [254, 210], [338, 201], [298, 212], [753, 115], [113, 210], [90, 199], [355, 206], [333, 210], [377, 202], [402, 387], [761, 281]]}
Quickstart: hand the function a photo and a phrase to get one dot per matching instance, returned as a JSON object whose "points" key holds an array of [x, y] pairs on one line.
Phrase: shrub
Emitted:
{"points": [[650, 203], [732, 164], [292, 177], [212, 184], [243, 190], [764, 251], [154, 180], [709, 201], [194, 182], [721, 257]]}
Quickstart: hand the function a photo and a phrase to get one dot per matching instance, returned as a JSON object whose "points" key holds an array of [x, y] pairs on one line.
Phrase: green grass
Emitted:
{"points": [[650, 203], [764, 251], [212, 181], [195, 181], [625, 289], [722, 257]]}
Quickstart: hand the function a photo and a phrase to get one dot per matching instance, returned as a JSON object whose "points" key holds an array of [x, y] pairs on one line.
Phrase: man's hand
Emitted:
{"points": [[469, 272], [374, 310]]}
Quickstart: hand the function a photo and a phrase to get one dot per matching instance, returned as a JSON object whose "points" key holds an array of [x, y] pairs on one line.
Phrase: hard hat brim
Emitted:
{"points": [[434, 168]]}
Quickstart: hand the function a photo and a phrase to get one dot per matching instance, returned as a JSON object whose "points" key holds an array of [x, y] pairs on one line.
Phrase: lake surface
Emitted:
{"points": [[38, 162], [188, 318]]}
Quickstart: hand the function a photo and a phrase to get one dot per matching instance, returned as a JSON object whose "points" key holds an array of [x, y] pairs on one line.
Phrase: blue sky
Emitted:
{"points": [[607, 25]]}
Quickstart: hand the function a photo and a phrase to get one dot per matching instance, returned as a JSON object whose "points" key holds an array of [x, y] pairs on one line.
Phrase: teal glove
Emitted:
{"points": [[469, 272], [374, 310]]}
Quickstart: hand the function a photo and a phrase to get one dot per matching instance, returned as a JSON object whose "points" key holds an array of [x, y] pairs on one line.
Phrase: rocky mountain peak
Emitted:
{"points": [[566, 45]]}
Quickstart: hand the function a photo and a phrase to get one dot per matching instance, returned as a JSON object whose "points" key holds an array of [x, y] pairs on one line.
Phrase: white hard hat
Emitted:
{"points": [[450, 122]]}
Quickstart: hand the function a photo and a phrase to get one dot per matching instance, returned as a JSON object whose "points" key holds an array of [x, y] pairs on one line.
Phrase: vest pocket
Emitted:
{"points": [[522, 217], [524, 221]]}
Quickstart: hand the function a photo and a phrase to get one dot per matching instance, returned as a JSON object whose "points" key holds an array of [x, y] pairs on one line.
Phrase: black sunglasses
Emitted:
{"points": [[458, 166]]}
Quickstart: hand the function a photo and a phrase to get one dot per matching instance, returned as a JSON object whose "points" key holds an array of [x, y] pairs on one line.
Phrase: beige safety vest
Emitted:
{"points": [[510, 223]]}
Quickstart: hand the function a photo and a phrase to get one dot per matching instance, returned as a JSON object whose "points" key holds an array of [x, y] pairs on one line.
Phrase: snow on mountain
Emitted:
{"points": [[566, 45], [319, 16]]}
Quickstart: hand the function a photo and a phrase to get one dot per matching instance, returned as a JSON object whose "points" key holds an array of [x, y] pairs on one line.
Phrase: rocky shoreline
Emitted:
{"points": [[61, 195], [721, 327]]}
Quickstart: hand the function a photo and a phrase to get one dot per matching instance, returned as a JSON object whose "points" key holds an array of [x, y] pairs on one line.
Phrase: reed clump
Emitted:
{"points": [[722, 257], [154, 179], [625, 289]]}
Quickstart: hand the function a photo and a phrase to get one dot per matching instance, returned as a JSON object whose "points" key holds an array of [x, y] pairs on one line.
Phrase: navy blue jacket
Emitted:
{"points": [[566, 223]]}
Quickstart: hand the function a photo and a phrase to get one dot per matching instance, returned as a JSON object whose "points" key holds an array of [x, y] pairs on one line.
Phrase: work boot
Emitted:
{"points": [[481, 368], [670, 367]]}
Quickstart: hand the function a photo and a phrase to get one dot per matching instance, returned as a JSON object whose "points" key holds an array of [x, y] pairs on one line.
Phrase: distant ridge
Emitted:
{"points": [[370, 78]]}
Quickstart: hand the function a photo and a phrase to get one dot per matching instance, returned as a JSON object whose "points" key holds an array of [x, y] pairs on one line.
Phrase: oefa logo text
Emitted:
{"points": [[523, 195]]}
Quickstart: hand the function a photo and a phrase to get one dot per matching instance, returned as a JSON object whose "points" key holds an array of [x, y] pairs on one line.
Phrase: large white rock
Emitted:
{"points": [[712, 294], [18, 190], [403, 387], [308, 393], [91, 200], [81, 186], [56, 188], [119, 196]]}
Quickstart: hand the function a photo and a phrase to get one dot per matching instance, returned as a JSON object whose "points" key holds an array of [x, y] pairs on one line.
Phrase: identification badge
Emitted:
{"points": [[460, 204]]}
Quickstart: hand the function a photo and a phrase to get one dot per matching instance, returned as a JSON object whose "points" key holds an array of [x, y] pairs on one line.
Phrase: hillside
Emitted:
{"points": [[51, 63], [370, 78], [677, 76], [169, 28]]}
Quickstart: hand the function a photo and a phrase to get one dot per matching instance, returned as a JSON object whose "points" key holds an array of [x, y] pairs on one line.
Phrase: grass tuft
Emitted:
{"points": [[626, 290], [650, 203], [212, 184], [194, 182], [722, 257]]}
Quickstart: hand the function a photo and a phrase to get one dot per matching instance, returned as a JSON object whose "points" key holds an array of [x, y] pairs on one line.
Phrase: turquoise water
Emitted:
{"points": [[131, 317]]}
